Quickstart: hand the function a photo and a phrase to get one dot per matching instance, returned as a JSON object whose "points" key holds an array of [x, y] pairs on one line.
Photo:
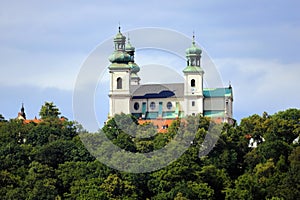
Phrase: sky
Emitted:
{"points": [[44, 45]]}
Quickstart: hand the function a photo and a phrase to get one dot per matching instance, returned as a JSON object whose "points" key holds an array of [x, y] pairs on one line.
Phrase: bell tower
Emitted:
{"points": [[119, 93], [134, 78], [193, 85]]}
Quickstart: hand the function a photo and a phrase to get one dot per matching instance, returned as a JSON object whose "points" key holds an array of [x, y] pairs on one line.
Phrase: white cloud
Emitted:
{"points": [[262, 85], [19, 67], [43, 44]]}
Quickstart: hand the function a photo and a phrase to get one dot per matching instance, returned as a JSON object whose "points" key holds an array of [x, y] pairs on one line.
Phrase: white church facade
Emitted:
{"points": [[164, 101]]}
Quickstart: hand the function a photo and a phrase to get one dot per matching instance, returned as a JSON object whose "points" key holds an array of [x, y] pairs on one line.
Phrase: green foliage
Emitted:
{"points": [[48, 160], [2, 119], [49, 110], [116, 188]]}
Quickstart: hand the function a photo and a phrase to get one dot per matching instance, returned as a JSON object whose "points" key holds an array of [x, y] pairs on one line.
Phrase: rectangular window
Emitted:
{"points": [[144, 108], [193, 103], [160, 109]]}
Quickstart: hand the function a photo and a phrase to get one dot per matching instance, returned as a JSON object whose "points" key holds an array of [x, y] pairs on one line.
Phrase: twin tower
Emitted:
{"points": [[163, 101]]}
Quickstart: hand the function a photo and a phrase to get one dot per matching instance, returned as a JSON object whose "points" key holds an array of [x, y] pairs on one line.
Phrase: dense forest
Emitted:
{"points": [[48, 160]]}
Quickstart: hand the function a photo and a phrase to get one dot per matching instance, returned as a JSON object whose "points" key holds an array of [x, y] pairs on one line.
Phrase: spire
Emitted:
{"points": [[119, 55], [128, 41], [22, 113], [22, 108], [193, 54], [135, 79], [193, 38], [129, 48]]}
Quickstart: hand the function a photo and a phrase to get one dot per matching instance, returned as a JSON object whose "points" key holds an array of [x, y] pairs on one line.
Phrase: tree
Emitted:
{"points": [[40, 182], [116, 188], [217, 179], [2, 119], [49, 110], [10, 186], [86, 189]]}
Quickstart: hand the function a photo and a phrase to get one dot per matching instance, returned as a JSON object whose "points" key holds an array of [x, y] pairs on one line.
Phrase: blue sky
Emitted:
{"points": [[254, 44]]}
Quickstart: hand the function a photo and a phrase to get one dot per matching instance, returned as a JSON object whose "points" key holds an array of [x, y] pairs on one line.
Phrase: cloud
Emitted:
{"points": [[261, 85], [44, 44], [33, 98], [40, 70]]}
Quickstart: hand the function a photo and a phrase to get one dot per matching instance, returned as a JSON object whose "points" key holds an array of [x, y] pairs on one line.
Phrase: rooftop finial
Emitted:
{"points": [[119, 27], [193, 37]]}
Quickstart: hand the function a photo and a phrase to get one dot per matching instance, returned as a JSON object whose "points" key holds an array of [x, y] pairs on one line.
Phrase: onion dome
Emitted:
{"points": [[193, 55], [134, 67], [194, 49], [130, 50], [119, 57], [129, 47], [119, 37]]}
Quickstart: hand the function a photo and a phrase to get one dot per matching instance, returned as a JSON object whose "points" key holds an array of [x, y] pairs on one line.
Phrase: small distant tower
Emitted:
{"points": [[22, 115], [193, 85], [134, 78], [120, 71]]}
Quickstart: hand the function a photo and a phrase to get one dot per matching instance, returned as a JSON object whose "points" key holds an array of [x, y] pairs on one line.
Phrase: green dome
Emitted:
{"points": [[119, 36], [193, 49], [129, 47], [134, 67], [119, 57]]}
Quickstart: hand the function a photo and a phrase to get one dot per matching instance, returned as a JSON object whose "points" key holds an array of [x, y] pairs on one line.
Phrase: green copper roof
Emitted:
{"points": [[193, 69], [214, 113], [129, 47], [119, 35], [119, 56], [118, 66], [134, 67], [217, 92], [194, 49]]}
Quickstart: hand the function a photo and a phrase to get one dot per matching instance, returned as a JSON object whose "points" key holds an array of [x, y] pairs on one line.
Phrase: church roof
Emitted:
{"points": [[173, 90], [119, 66], [148, 91], [217, 92], [193, 69], [214, 113]]}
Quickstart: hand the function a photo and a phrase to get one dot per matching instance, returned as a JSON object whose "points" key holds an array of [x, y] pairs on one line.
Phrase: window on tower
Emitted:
{"points": [[193, 83], [193, 103], [119, 83]]}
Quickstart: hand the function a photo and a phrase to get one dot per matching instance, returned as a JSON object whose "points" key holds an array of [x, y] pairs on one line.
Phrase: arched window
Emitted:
{"points": [[193, 83], [119, 83]]}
